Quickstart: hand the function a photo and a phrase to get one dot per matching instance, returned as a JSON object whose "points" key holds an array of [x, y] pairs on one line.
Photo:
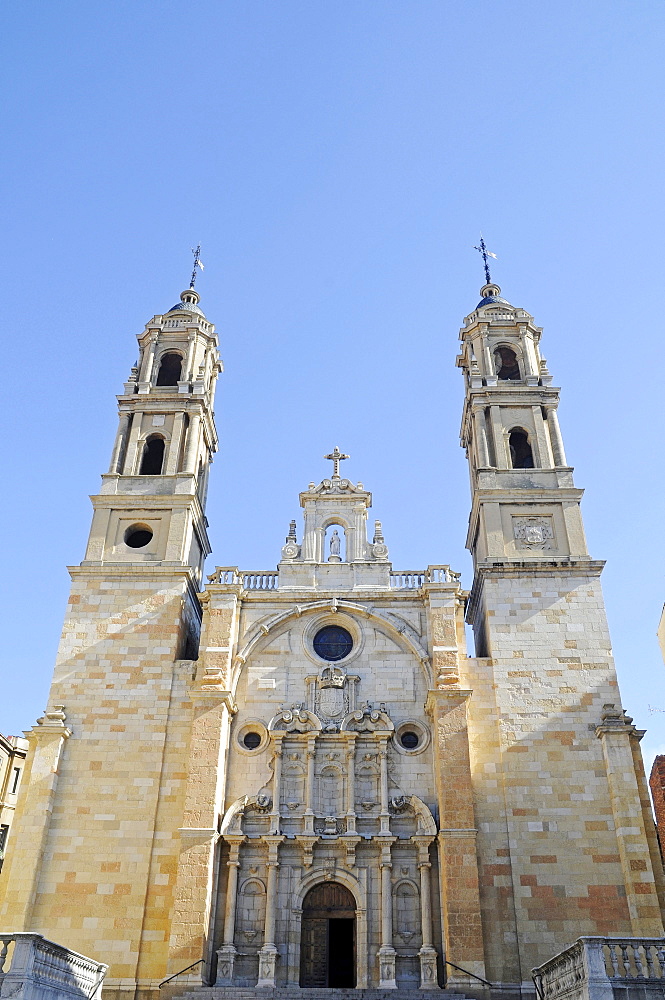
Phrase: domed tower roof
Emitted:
{"points": [[491, 293], [189, 302]]}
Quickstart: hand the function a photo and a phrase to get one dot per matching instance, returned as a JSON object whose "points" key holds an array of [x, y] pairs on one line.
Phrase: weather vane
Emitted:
{"points": [[485, 253], [197, 263]]}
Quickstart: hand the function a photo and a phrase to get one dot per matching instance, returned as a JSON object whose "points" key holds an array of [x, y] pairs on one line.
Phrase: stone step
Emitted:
{"points": [[296, 993]]}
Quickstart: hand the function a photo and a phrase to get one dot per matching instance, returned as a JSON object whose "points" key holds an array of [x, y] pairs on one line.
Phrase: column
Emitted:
{"points": [[481, 439], [309, 786], [193, 432], [383, 758], [175, 445], [351, 783], [129, 466], [188, 368], [268, 953], [488, 361], [500, 445], [544, 459], [121, 437], [427, 954], [276, 782], [148, 362], [555, 436], [387, 979], [227, 953]]}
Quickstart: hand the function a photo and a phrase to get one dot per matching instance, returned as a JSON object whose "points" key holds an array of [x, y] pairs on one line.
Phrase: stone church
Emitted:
{"points": [[302, 777]]}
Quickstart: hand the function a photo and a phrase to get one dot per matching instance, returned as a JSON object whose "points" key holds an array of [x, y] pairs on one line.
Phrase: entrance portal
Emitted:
{"points": [[327, 938]]}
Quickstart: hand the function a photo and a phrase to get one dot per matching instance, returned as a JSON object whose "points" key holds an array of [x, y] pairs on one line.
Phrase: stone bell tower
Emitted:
{"points": [[123, 667], [567, 756]]}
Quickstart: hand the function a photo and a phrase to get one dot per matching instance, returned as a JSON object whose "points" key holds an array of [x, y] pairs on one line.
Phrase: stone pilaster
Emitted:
{"points": [[615, 733], [460, 893], [33, 815]]}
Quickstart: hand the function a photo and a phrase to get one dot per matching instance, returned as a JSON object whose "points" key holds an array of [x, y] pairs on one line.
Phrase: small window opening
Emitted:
{"points": [[507, 368], [138, 536], [521, 456], [409, 740], [252, 740], [17, 775], [153, 457], [170, 369]]}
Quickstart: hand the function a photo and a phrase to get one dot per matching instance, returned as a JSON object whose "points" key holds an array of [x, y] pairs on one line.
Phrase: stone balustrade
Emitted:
{"points": [[598, 968], [260, 580], [413, 579], [269, 579], [33, 968]]}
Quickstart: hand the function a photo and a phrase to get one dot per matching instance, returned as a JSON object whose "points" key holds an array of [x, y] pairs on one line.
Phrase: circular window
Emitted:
{"points": [[409, 739], [252, 740], [138, 536], [332, 643], [252, 737]]}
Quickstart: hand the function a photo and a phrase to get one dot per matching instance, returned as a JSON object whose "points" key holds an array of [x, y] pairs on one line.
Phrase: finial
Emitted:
{"points": [[291, 537], [485, 253], [336, 457], [197, 263]]}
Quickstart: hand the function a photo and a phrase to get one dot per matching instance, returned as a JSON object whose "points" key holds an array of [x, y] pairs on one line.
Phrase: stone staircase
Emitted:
{"points": [[295, 993]]}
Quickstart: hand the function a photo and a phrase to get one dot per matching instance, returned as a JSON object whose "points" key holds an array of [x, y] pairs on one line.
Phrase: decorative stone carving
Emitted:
{"points": [[291, 549], [533, 532], [368, 720], [295, 720], [332, 696], [445, 668]]}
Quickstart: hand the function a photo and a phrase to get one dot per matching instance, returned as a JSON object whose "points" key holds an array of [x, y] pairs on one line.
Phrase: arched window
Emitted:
{"points": [[507, 368], [170, 369], [153, 456], [521, 456]]}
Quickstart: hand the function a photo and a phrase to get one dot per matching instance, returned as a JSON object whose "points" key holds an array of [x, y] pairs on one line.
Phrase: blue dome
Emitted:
{"points": [[186, 307], [492, 298]]}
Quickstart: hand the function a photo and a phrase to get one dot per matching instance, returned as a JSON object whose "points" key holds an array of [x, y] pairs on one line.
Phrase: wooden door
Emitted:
{"points": [[328, 903]]}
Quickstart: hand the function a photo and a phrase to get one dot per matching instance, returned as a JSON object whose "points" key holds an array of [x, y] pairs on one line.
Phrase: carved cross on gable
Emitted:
{"points": [[336, 457]]}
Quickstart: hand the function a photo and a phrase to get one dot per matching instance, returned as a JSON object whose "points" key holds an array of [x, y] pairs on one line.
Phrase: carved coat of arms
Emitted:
{"points": [[331, 692], [533, 532]]}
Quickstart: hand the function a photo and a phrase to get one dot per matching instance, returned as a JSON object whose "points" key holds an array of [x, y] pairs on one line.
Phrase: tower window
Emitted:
{"points": [[138, 536], [170, 369], [521, 456], [153, 456], [507, 368]]}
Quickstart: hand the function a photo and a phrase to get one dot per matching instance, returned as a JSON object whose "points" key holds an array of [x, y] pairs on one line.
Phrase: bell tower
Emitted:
{"points": [[567, 755]]}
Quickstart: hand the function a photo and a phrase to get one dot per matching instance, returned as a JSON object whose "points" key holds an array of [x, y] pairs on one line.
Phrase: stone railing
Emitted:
{"points": [[597, 968], [250, 580], [412, 579], [36, 969]]}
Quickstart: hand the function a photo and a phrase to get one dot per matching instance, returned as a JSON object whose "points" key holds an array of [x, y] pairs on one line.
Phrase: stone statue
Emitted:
{"points": [[334, 543]]}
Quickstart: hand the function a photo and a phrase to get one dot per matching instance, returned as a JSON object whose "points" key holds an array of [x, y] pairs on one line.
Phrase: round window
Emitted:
{"points": [[138, 536], [409, 739], [252, 740], [333, 643]]}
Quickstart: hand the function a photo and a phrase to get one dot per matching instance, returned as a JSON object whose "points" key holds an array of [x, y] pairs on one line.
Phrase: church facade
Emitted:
{"points": [[302, 777]]}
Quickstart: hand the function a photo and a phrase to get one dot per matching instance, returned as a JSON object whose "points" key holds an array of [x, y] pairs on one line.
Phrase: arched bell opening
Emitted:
{"points": [[170, 369], [152, 458], [521, 455], [507, 366], [328, 938]]}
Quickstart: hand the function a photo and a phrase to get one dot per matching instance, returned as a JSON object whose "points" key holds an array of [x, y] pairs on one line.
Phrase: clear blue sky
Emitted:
{"points": [[337, 161]]}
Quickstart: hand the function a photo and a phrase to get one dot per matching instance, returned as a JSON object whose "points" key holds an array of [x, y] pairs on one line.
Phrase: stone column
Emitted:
{"points": [[309, 785], [268, 953], [462, 925], [173, 454], [120, 440], [427, 953], [351, 783], [148, 362], [500, 442], [556, 440], [615, 733], [542, 454], [193, 433], [387, 953], [481, 439], [129, 465], [226, 955], [33, 814], [276, 782], [383, 757]]}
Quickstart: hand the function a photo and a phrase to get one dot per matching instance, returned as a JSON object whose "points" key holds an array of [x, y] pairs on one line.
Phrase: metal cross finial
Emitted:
{"points": [[485, 253], [336, 457], [197, 263]]}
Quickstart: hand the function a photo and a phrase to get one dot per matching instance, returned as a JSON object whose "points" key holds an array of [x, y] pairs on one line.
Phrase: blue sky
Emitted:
{"points": [[337, 161]]}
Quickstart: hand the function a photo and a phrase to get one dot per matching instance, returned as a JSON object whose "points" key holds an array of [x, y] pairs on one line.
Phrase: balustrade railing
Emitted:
{"points": [[36, 967], [249, 580], [413, 579], [597, 968]]}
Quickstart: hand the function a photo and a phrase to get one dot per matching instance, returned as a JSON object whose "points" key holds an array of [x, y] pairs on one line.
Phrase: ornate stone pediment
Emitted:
{"points": [[295, 720], [367, 720]]}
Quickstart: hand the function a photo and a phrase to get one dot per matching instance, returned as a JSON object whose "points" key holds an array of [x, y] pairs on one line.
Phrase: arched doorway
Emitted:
{"points": [[327, 937]]}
